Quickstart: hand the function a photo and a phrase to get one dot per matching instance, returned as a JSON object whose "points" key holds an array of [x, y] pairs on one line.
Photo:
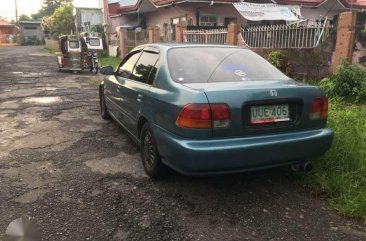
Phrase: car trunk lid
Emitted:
{"points": [[249, 102]]}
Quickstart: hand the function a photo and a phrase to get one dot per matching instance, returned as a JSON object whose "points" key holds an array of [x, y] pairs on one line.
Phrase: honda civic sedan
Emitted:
{"points": [[210, 109]]}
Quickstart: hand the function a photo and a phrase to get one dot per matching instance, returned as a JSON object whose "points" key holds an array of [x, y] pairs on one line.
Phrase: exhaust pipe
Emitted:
{"points": [[304, 166]]}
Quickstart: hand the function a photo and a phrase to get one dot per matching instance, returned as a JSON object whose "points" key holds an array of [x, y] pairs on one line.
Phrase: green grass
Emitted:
{"points": [[112, 61], [341, 173], [50, 51]]}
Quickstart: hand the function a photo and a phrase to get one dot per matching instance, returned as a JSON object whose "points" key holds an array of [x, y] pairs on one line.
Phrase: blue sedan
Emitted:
{"points": [[210, 109]]}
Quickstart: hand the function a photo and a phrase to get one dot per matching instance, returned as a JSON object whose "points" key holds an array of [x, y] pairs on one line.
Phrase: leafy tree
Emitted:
{"points": [[49, 7], [24, 17], [61, 21]]}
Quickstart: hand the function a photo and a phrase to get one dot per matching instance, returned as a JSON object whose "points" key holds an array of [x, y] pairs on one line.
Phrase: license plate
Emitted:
{"points": [[269, 114]]}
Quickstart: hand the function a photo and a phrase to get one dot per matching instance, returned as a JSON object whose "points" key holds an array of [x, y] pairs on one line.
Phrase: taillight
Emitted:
{"points": [[220, 115], [195, 116], [203, 116], [319, 108]]}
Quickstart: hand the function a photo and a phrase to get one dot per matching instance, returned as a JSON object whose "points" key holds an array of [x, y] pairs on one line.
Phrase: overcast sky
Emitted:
{"points": [[7, 7]]}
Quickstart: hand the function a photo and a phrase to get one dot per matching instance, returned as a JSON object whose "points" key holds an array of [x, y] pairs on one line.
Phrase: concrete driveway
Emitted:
{"points": [[80, 177]]}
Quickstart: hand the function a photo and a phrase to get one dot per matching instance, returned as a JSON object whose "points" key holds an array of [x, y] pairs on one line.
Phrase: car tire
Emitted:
{"points": [[103, 107], [151, 159]]}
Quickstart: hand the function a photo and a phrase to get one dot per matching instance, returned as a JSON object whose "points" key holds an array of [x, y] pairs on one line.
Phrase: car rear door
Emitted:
{"points": [[135, 90], [123, 74]]}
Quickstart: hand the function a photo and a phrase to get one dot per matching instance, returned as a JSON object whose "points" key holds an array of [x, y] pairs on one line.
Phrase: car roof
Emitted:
{"points": [[167, 46]]}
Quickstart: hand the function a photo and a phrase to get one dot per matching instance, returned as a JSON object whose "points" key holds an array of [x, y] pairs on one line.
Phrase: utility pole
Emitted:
{"points": [[16, 12]]}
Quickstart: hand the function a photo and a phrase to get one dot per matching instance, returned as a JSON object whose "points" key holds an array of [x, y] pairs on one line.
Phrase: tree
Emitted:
{"points": [[49, 7], [24, 17], [61, 21]]}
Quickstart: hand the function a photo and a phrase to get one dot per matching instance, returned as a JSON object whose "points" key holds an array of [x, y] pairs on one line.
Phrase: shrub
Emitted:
{"points": [[349, 82], [277, 59]]}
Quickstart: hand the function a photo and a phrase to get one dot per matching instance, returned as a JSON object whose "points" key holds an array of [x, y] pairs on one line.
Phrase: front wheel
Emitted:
{"points": [[150, 156], [103, 107]]}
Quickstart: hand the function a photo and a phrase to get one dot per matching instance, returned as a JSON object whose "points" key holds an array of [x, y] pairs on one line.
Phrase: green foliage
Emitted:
{"points": [[276, 58], [341, 173], [349, 83], [110, 61], [61, 21], [24, 17], [49, 7]]}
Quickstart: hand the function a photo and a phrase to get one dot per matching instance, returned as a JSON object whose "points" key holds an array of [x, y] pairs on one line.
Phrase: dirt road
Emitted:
{"points": [[80, 177]]}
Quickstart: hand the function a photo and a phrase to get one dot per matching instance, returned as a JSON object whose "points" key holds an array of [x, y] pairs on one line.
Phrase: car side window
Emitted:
{"points": [[145, 68], [125, 70]]}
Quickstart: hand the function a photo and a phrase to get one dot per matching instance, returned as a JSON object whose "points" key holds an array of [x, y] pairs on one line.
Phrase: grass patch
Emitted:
{"points": [[341, 173], [112, 61], [50, 51]]}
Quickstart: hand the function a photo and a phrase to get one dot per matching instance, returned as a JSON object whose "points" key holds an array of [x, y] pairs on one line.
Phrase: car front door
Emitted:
{"points": [[135, 90]]}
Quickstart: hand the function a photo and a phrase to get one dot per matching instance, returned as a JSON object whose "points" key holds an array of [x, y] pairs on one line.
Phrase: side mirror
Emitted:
{"points": [[107, 70]]}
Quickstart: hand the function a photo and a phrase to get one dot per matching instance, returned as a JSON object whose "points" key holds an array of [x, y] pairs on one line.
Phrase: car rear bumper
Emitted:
{"points": [[219, 156]]}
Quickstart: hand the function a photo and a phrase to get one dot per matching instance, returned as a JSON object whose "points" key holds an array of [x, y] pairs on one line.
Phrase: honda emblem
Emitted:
{"points": [[273, 92]]}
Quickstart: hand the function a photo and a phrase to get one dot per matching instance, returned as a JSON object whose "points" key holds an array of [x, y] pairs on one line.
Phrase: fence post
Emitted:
{"points": [[122, 42], [345, 38], [232, 34], [151, 34], [179, 28]]}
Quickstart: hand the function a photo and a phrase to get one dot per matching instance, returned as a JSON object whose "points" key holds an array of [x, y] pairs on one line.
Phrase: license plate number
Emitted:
{"points": [[269, 114]]}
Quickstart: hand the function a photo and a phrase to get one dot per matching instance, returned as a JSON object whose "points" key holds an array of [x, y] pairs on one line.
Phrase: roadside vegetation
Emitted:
{"points": [[112, 61], [340, 175]]}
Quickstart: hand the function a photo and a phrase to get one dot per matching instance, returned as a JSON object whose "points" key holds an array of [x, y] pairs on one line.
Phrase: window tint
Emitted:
{"points": [[125, 70], [145, 68], [203, 64]]}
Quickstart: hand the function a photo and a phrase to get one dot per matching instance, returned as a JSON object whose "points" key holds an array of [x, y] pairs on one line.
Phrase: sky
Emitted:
{"points": [[7, 7]]}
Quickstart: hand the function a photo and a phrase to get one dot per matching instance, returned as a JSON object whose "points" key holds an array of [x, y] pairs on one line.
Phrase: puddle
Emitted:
{"points": [[47, 88], [42, 100]]}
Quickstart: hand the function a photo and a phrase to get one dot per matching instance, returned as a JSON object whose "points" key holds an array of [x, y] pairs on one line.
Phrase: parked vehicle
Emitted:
{"points": [[95, 44], [208, 109], [73, 53]]}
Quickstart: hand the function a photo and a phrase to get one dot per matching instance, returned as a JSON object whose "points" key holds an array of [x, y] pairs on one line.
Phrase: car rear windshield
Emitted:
{"points": [[215, 64]]}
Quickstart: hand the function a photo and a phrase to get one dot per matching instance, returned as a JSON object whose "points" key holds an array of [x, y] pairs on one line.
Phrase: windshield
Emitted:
{"points": [[215, 64], [94, 42]]}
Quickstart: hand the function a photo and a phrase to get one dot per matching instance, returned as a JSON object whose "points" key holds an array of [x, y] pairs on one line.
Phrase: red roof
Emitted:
{"points": [[137, 3], [167, 2], [4, 23], [301, 2], [354, 3]]}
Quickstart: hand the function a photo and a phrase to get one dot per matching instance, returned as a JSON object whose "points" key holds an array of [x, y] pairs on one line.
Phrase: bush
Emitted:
{"points": [[277, 59], [349, 83]]}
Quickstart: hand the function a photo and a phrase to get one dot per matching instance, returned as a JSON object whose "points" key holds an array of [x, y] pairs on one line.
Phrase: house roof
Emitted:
{"points": [[30, 22], [4, 23], [133, 5]]}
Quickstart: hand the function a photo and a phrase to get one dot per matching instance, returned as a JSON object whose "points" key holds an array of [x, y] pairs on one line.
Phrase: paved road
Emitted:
{"points": [[81, 178]]}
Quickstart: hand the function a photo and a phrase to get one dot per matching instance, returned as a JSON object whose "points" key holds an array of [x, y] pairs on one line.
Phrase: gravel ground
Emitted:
{"points": [[80, 177]]}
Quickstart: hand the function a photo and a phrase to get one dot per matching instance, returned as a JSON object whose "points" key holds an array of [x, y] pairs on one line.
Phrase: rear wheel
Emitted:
{"points": [[151, 159], [103, 107]]}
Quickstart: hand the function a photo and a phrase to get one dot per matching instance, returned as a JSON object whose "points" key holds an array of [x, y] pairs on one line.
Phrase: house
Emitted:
{"points": [[8, 33], [167, 13], [31, 31], [87, 19]]}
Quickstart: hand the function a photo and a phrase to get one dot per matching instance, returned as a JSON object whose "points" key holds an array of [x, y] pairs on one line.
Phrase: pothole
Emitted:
{"points": [[42, 100]]}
